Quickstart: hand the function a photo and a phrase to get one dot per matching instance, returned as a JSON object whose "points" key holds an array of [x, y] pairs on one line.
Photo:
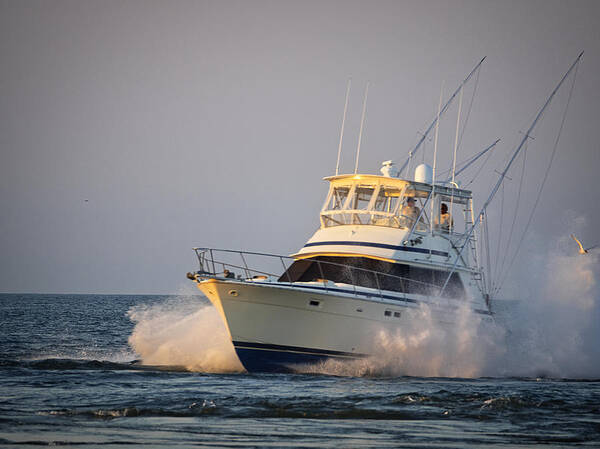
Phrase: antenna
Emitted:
{"points": [[455, 150], [337, 166], [435, 143], [362, 123]]}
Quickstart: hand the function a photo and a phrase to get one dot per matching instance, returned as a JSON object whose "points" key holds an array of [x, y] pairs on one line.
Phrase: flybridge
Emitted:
{"points": [[384, 201]]}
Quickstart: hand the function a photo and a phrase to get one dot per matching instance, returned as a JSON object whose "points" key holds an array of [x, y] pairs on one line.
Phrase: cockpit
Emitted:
{"points": [[390, 202]]}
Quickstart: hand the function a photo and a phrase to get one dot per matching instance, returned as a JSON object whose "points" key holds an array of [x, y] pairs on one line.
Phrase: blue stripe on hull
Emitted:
{"points": [[262, 361], [265, 358]]}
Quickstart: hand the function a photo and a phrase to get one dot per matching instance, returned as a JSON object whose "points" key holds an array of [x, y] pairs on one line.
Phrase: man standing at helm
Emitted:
{"points": [[410, 212], [446, 222]]}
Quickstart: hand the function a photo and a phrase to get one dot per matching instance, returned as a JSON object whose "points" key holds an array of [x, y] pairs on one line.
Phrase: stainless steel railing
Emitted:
{"points": [[223, 263]]}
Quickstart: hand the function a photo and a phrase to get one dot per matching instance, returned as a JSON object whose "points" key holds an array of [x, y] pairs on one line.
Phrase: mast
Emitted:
{"points": [[507, 168], [424, 135]]}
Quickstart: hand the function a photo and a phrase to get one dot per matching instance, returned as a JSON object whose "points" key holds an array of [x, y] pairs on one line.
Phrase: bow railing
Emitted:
{"points": [[240, 266]]}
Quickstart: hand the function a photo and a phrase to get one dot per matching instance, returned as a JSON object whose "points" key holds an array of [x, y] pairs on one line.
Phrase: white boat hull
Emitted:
{"points": [[274, 326]]}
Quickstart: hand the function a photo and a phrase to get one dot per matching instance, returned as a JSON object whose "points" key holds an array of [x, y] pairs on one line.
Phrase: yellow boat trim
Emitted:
{"points": [[311, 255]]}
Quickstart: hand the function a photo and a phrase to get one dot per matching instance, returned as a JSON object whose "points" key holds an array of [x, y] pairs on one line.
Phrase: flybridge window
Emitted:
{"points": [[395, 203], [372, 203], [387, 200], [338, 198], [361, 198]]}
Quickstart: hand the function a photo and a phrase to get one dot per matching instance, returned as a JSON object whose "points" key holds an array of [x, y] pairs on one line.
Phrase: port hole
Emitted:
{"points": [[314, 303]]}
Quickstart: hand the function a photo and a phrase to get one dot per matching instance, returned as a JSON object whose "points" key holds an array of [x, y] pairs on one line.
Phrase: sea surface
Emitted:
{"points": [[68, 376]]}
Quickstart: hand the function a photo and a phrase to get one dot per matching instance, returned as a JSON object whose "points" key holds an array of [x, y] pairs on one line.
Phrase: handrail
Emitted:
{"points": [[206, 256]]}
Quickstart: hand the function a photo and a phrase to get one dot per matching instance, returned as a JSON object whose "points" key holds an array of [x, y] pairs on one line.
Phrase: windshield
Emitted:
{"points": [[378, 205], [337, 198]]}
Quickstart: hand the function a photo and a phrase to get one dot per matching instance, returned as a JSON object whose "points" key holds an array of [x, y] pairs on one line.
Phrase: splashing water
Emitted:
{"points": [[555, 331], [183, 332], [426, 347], [552, 332]]}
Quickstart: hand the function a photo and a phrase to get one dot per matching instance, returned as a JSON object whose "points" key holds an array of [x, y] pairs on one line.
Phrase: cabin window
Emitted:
{"points": [[360, 271], [314, 303], [388, 313]]}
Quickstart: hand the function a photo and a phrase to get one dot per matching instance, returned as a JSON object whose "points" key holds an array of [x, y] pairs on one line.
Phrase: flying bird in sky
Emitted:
{"points": [[582, 250]]}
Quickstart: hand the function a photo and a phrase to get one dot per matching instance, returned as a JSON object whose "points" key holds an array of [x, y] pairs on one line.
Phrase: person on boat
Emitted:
{"points": [[410, 212], [446, 221]]}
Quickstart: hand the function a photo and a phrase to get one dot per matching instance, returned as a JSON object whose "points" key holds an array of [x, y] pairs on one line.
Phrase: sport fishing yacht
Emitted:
{"points": [[385, 247]]}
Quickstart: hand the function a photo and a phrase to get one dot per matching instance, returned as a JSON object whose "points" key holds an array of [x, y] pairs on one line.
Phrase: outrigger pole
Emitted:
{"points": [[474, 159], [505, 171], [441, 112]]}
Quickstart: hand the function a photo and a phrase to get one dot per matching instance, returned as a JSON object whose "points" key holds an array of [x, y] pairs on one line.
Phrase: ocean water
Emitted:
{"points": [[96, 370]]}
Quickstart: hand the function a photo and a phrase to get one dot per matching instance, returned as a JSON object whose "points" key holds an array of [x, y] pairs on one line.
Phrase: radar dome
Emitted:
{"points": [[424, 173]]}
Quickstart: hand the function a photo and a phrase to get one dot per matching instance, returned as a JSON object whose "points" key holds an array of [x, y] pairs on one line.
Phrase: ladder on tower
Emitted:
{"points": [[472, 239]]}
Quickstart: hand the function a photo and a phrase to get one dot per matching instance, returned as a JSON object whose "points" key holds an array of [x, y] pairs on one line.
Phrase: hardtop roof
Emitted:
{"points": [[397, 183]]}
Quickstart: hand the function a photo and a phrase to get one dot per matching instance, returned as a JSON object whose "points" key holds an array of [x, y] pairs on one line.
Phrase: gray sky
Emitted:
{"points": [[212, 123]]}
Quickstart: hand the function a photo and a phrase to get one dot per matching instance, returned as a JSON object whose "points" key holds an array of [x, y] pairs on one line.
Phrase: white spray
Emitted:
{"points": [[183, 331], [555, 330]]}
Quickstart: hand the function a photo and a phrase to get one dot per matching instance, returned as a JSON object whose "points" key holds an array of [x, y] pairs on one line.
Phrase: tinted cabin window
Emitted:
{"points": [[394, 277]]}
